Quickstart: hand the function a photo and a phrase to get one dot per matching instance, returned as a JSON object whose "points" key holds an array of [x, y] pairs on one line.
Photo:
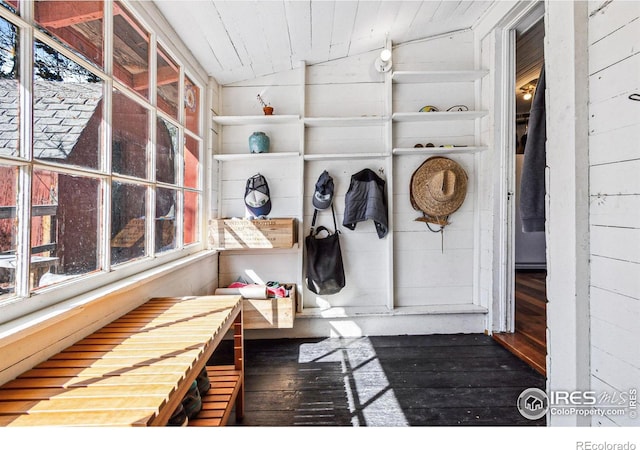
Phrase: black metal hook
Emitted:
{"points": [[635, 97]]}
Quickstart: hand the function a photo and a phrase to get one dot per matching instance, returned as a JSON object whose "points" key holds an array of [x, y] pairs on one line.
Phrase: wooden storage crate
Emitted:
{"points": [[270, 312], [234, 234]]}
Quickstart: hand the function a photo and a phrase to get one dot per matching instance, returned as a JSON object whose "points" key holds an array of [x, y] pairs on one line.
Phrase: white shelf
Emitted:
{"points": [[255, 120], [245, 156], [367, 311], [435, 116], [329, 156], [441, 76], [438, 150], [307, 137], [360, 121]]}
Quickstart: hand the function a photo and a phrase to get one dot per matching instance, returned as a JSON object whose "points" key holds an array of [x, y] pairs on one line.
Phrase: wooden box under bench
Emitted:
{"points": [[270, 312]]}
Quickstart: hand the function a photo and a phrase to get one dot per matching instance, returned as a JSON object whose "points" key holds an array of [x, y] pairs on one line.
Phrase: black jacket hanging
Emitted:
{"points": [[365, 200]]}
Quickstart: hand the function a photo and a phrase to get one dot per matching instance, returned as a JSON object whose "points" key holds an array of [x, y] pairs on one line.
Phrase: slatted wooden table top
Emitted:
{"points": [[133, 371]]}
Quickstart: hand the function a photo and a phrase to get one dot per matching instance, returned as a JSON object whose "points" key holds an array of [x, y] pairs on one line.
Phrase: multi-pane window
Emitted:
{"points": [[109, 169]]}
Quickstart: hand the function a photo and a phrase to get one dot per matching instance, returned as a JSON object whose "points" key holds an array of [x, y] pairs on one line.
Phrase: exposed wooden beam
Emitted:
{"points": [[79, 42], [9, 212], [57, 15], [166, 75]]}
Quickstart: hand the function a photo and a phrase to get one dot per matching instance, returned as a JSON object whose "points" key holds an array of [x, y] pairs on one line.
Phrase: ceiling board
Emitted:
{"points": [[242, 39], [322, 14], [529, 61], [344, 18]]}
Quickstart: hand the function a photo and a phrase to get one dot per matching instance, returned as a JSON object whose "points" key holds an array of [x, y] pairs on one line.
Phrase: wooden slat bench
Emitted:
{"points": [[136, 370]]}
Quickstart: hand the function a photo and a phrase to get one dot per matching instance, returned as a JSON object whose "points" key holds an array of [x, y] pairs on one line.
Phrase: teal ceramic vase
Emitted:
{"points": [[258, 142]]}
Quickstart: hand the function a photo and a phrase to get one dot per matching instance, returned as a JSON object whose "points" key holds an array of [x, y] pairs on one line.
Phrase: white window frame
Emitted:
{"points": [[25, 302]]}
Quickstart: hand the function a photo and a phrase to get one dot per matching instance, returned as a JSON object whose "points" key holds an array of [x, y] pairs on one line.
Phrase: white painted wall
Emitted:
{"points": [[406, 270], [489, 164], [592, 194], [614, 193], [283, 174], [425, 274]]}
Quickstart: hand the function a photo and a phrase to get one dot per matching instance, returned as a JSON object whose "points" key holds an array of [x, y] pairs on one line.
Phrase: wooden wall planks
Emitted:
{"points": [[420, 272], [614, 60]]}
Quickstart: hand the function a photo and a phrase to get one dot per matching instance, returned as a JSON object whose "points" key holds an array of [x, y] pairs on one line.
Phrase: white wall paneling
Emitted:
{"points": [[351, 118], [365, 256], [614, 123], [281, 174]]}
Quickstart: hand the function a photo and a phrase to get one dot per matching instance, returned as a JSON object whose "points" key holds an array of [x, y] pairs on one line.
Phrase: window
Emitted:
{"points": [[130, 136], [76, 24], [131, 51], [9, 89], [103, 181], [67, 110], [192, 105], [8, 235], [11, 5], [168, 83]]}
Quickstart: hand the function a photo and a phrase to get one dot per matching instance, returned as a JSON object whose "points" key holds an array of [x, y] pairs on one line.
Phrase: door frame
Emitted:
{"points": [[521, 18]]}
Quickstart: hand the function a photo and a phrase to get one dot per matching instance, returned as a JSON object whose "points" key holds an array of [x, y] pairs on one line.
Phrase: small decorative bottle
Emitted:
{"points": [[258, 142]]}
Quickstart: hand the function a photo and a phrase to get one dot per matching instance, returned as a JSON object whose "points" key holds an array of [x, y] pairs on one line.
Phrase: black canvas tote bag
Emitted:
{"points": [[324, 268]]}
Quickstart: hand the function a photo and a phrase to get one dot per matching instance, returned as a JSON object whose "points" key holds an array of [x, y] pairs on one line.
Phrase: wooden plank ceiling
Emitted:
{"points": [[241, 40]]}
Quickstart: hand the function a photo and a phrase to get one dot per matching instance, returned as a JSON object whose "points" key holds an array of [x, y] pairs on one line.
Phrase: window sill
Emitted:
{"points": [[31, 323]]}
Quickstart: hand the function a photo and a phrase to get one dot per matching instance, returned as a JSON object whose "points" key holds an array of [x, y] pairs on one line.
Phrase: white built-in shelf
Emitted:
{"points": [[438, 150], [254, 156], [329, 156], [364, 311], [358, 121], [437, 76], [437, 116], [256, 120]]}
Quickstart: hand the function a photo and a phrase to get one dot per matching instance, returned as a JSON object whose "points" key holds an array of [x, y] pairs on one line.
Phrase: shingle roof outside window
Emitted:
{"points": [[60, 114]]}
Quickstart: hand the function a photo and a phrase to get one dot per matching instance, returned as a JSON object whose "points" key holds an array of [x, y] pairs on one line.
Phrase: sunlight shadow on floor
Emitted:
{"points": [[371, 399]]}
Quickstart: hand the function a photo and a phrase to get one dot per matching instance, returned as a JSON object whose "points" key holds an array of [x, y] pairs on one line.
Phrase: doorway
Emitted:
{"points": [[526, 337]]}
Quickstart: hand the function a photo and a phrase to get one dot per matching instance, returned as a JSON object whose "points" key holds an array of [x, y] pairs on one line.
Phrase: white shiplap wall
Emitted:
{"points": [[283, 92], [421, 274], [426, 274], [489, 163], [614, 154]]}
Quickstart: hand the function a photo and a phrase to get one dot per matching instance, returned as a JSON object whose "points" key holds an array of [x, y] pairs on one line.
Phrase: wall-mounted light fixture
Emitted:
{"points": [[383, 62]]}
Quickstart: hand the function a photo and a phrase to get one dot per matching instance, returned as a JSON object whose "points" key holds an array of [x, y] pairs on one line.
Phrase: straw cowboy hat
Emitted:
{"points": [[438, 188]]}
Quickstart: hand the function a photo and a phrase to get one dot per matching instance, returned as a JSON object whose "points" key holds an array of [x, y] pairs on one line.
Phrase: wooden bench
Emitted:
{"points": [[136, 370]]}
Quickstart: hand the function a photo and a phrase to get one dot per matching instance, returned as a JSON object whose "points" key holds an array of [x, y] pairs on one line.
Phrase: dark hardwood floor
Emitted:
{"points": [[434, 380], [528, 341]]}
